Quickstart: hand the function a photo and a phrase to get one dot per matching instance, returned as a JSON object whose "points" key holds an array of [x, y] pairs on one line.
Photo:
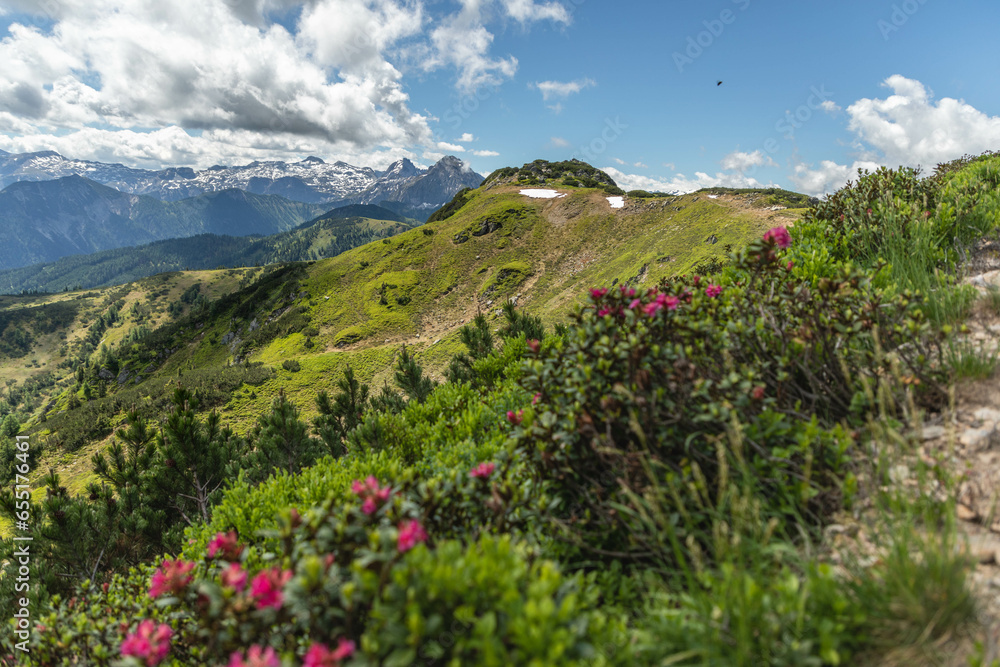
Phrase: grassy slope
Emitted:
{"points": [[546, 252]]}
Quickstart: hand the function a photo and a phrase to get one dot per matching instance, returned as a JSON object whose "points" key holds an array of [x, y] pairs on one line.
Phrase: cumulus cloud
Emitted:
{"points": [[681, 183], [485, 153], [828, 177], [908, 128], [466, 138], [174, 146], [830, 106], [529, 10], [463, 41], [739, 161], [454, 148], [559, 142], [331, 80], [561, 89]]}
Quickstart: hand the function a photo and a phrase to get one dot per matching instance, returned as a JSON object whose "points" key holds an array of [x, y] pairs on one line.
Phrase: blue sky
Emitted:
{"points": [[811, 90]]}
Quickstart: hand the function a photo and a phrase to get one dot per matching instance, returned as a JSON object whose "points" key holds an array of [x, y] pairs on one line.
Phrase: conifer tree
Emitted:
{"points": [[195, 458], [478, 338], [410, 378], [519, 323], [338, 418], [282, 442]]}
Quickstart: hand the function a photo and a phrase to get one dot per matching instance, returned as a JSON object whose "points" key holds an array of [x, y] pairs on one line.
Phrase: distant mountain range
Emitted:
{"points": [[311, 181], [45, 220], [52, 206], [330, 234]]}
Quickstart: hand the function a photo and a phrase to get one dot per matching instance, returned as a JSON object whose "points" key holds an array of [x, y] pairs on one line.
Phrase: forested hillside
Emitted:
{"points": [[531, 431]]}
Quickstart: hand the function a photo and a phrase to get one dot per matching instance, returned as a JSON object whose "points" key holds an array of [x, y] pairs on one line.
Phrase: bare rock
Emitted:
{"points": [[979, 438], [966, 513], [932, 432]]}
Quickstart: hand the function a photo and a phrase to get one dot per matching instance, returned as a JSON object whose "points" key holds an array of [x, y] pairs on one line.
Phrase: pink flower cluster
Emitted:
{"points": [[659, 303], [515, 418], [319, 655], [234, 577], [226, 545], [778, 236], [713, 291], [172, 577], [373, 496], [266, 587], [411, 533], [483, 470], [149, 642], [256, 656]]}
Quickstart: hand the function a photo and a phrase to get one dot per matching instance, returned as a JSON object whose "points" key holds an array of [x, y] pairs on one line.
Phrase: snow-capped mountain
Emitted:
{"points": [[311, 180]]}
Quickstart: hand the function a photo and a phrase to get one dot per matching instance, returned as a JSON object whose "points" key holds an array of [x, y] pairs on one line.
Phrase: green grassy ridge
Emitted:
{"points": [[766, 604], [433, 285]]}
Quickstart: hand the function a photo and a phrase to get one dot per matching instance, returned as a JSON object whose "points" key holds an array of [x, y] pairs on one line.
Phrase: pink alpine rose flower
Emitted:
{"points": [[713, 291], [483, 470], [172, 577], [226, 544], [234, 577], [319, 655], [266, 588], [515, 418], [598, 294], [373, 496], [149, 642], [411, 533], [257, 656], [779, 236]]}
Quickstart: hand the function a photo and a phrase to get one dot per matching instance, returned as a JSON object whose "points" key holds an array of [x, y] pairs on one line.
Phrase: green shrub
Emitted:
{"points": [[291, 365], [487, 604], [644, 386]]}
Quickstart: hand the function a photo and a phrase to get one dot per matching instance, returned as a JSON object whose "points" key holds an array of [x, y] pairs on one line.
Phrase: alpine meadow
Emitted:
{"points": [[357, 333]]}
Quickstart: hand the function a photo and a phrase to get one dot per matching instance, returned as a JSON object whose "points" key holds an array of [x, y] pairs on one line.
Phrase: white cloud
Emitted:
{"points": [[559, 142], [466, 138], [828, 178], [670, 165], [830, 106], [454, 148], [559, 89], [462, 40], [333, 81], [174, 146], [640, 165], [527, 10], [485, 153], [618, 160], [739, 161], [680, 183], [908, 128]]}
